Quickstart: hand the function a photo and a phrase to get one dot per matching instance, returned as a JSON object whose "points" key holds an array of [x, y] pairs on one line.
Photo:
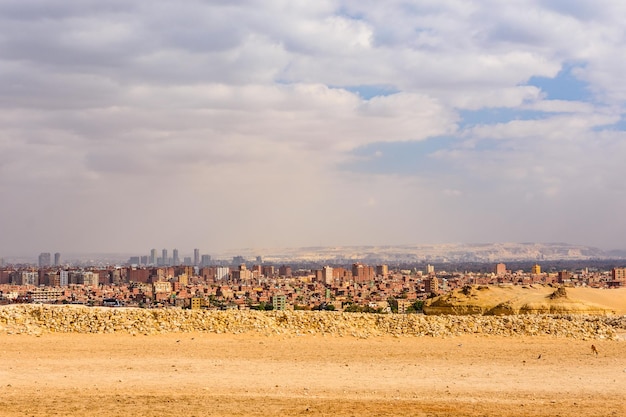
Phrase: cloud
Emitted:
{"points": [[236, 123]]}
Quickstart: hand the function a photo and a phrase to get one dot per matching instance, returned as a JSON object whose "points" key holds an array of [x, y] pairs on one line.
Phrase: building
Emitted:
{"points": [[268, 271], [382, 270], [90, 278], [221, 273], [564, 276], [279, 302], [196, 303], [241, 274], [431, 285], [162, 287], [175, 258], [536, 269], [196, 257], [499, 269], [362, 273], [57, 259], [44, 260], [164, 260], [403, 305], [430, 269], [63, 278], [327, 275], [153, 257], [206, 260], [27, 278], [618, 274], [285, 271], [45, 295]]}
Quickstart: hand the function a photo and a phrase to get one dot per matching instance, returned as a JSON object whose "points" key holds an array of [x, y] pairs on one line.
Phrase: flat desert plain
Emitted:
{"points": [[201, 374]]}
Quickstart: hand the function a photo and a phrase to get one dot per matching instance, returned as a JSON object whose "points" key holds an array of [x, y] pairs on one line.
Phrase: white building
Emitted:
{"points": [[221, 273]]}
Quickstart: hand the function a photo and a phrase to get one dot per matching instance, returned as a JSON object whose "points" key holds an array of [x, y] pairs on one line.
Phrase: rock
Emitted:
{"points": [[38, 319]]}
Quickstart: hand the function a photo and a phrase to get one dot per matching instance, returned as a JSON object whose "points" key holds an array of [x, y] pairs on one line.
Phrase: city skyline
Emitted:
{"points": [[219, 126], [441, 253]]}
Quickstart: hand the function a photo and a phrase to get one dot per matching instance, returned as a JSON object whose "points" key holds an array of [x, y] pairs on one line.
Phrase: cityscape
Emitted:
{"points": [[324, 208], [165, 279]]}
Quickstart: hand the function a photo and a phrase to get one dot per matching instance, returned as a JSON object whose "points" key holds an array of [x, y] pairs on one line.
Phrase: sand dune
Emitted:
{"points": [[529, 299]]}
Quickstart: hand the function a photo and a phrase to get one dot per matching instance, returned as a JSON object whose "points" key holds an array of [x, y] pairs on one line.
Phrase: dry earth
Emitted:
{"points": [[529, 299], [203, 374]]}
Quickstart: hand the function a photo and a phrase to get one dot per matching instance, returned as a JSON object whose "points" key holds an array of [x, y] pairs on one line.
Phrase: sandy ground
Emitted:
{"points": [[216, 375], [578, 298]]}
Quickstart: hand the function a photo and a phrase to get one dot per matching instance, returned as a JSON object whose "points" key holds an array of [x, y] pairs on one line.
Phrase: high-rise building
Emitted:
{"points": [[536, 269], [221, 273], [499, 269], [206, 260], [153, 257], [63, 278], [431, 285], [618, 274], [362, 273], [175, 259], [164, 259], [44, 259], [57, 259], [327, 275], [196, 257]]}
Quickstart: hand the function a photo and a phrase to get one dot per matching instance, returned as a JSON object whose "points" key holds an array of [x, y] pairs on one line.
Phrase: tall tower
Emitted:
{"points": [[44, 259], [196, 257], [175, 260], [153, 257], [327, 275], [57, 259], [164, 257]]}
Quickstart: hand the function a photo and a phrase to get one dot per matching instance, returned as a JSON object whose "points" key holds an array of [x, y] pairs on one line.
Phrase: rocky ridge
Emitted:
{"points": [[40, 319]]}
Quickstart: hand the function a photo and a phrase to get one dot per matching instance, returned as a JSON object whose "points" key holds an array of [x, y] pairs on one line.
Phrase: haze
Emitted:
{"points": [[223, 124]]}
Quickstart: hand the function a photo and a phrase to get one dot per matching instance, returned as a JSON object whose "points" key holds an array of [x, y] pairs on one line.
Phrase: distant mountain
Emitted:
{"points": [[451, 252], [392, 254]]}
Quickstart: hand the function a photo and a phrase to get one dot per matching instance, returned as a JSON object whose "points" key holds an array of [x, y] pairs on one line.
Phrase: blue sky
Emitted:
{"points": [[221, 125]]}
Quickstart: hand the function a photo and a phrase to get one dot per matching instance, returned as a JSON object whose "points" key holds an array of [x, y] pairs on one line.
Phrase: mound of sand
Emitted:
{"points": [[532, 299]]}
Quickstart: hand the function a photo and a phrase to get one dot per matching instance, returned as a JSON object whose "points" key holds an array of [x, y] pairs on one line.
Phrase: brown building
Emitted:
{"points": [[362, 273], [564, 276], [382, 270], [285, 271], [139, 275], [499, 269], [618, 274], [431, 285]]}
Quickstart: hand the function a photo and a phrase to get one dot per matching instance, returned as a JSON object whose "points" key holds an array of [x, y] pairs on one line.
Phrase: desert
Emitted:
{"points": [[68, 360]]}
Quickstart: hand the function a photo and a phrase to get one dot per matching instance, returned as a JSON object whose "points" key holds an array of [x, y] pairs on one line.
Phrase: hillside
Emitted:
{"points": [[531, 299]]}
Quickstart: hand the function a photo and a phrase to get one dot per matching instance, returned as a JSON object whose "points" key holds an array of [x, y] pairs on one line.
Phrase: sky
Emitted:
{"points": [[126, 126]]}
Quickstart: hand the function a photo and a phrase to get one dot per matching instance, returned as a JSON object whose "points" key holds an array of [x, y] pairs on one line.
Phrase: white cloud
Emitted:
{"points": [[212, 120]]}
